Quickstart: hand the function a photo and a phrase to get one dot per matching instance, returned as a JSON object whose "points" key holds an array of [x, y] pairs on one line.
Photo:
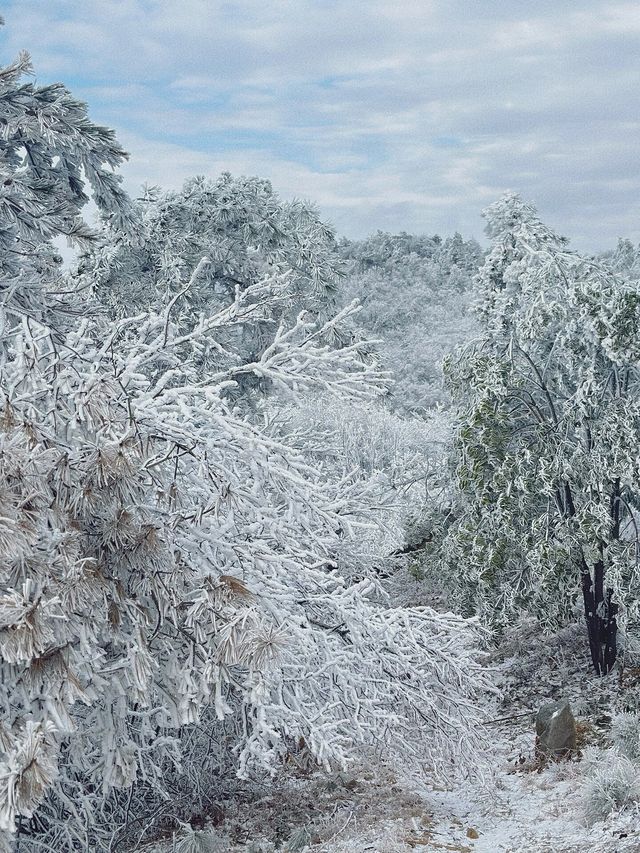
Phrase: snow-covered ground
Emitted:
{"points": [[520, 812], [513, 806]]}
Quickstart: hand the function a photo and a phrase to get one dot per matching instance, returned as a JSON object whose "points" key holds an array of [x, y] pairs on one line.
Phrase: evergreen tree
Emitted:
{"points": [[246, 233], [548, 436]]}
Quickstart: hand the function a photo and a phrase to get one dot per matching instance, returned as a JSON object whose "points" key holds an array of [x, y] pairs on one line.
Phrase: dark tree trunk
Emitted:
{"points": [[600, 610], [600, 615]]}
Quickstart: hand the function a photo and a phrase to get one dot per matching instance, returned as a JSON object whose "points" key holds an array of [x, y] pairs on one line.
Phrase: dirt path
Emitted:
{"points": [[515, 808]]}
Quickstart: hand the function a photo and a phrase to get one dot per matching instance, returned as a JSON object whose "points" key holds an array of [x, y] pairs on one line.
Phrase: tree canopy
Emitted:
{"points": [[548, 435]]}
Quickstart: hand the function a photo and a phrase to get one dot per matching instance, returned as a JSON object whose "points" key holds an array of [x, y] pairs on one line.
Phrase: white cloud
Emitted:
{"points": [[410, 115]]}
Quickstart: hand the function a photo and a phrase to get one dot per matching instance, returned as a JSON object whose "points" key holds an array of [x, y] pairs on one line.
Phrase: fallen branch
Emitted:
{"points": [[508, 719]]}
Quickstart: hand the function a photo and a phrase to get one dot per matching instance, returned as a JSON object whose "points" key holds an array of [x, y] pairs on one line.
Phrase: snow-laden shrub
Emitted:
{"points": [[191, 840], [615, 784], [625, 730], [372, 439], [400, 458]]}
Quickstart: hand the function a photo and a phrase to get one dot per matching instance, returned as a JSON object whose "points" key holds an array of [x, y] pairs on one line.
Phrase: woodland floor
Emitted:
{"points": [[516, 807]]}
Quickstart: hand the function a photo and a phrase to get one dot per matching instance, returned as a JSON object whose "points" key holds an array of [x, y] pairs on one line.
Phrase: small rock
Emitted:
{"points": [[555, 730], [472, 833]]}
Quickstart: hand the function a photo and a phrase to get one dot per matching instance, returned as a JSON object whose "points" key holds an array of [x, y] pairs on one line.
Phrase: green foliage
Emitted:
{"points": [[546, 450]]}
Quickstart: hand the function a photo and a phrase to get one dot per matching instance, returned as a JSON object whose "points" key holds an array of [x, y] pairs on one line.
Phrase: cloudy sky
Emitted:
{"points": [[394, 114]]}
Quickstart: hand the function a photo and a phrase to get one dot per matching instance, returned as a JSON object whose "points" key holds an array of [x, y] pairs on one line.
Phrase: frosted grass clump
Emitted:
{"points": [[614, 785], [625, 730], [201, 841]]}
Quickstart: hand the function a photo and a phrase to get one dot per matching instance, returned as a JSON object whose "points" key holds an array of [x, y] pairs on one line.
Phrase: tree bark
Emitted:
{"points": [[600, 616], [600, 610]]}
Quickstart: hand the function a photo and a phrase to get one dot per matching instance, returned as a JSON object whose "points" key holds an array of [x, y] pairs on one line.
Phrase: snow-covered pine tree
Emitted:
{"points": [[168, 594], [548, 436], [247, 234], [624, 259]]}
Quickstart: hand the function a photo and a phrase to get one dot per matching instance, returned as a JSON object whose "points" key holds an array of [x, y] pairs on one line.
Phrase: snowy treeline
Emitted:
{"points": [[415, 294]]}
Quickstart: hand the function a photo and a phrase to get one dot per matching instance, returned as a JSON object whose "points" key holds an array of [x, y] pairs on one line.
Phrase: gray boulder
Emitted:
{"points": [[555, 730]]}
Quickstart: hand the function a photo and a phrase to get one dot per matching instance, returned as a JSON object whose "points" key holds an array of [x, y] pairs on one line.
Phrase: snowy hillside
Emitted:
{"points": [[307, 543]]}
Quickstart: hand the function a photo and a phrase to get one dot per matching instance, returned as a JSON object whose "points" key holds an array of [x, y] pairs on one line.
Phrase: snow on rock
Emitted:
{"points": [[555, 730]]}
